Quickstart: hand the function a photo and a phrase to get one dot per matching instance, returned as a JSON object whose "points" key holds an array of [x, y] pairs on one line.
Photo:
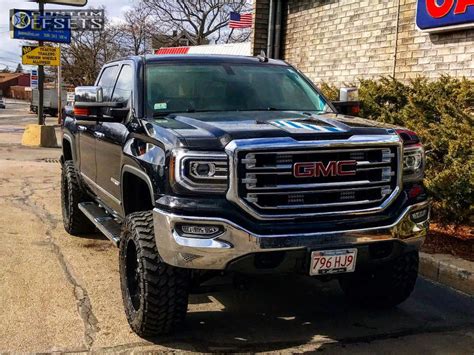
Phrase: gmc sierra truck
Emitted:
{"points": [[196, 166]]}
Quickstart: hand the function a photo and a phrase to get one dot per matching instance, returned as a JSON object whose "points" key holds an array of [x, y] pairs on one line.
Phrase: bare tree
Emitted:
{"points": [[137, 30], [88, 52], [203, 19]]}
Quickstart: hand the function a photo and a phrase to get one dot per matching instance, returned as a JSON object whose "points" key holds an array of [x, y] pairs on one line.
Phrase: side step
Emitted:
{"points": [[102, 220]]}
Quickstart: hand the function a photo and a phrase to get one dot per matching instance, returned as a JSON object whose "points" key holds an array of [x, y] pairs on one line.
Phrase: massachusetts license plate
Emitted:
{"points": [[325, 262]]}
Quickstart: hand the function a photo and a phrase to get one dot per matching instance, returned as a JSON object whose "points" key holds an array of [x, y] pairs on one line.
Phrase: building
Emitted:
{"points": [[9, 80], [339, 41], [184, 38]]}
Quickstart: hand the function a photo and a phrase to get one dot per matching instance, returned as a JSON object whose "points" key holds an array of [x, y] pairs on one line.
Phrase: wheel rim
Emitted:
{"points": [[132, 274]]}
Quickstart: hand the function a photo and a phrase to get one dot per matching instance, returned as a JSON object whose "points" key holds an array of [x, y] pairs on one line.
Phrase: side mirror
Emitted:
{"points": [[348, 103], [89, 106], [90, 94]]}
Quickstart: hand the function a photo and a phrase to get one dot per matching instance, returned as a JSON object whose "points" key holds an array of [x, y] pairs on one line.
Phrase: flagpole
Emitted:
{"points": [[231, 32]]}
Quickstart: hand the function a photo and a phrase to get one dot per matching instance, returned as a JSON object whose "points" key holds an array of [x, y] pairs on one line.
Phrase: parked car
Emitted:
{"points": [[196, 166], [2, 103]]}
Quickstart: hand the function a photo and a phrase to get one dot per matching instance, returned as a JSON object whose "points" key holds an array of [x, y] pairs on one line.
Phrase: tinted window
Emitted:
{"points": [[123, 88], [228, 87], [107, 81]]}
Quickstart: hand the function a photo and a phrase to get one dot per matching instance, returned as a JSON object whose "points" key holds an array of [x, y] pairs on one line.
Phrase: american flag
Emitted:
{"points": [[240, 20]]}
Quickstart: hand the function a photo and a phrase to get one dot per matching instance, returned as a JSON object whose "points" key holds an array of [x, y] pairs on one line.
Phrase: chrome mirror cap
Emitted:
{"points": [[88, 94]]}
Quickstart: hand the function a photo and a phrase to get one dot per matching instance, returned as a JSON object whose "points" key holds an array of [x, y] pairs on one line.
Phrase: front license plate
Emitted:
{"points": [[325, 262]]}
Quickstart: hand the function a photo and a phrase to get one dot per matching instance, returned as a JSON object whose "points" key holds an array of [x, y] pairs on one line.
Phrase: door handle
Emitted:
{"points": [[99, 135], [82, 128]]}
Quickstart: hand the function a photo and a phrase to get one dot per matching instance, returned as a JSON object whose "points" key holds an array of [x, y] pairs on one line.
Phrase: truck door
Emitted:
{"points": [[88, 131], [109, 143]]}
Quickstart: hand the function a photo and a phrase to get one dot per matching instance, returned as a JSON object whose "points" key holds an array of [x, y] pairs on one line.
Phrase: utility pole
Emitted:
{"points": [[40, 76], [60, 90]]}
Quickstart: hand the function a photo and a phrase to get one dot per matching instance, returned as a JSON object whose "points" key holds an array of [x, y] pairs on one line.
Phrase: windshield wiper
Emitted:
{"points": [[164, 114]]}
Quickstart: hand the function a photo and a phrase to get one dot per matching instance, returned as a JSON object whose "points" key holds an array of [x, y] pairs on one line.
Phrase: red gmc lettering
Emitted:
{"points": [[341, 164], [438, 11], [316, 169], [462, 5]]}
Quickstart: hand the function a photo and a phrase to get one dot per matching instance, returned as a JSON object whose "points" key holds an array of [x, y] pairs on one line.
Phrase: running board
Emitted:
{"points": [[102, 220]]}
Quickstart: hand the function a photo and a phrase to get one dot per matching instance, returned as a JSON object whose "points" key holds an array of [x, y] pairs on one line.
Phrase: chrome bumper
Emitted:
{"points": [[235, 241]]}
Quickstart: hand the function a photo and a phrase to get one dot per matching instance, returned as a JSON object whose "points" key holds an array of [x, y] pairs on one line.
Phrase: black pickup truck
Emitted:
{"points": [[198, 165]]}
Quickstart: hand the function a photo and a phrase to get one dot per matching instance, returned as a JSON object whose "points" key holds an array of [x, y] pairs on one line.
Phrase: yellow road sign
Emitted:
{"points": [[36, 55]]}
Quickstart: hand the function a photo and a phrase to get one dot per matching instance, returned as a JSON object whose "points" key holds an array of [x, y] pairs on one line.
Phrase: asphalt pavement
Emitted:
{"points": [[61, 293]]}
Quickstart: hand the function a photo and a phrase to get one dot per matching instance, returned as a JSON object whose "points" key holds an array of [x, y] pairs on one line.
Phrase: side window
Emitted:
{"points": [[107, 81], [123, 88]]}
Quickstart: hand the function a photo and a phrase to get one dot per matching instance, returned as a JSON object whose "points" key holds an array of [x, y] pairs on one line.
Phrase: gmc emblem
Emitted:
{"points": [[316, 169]]}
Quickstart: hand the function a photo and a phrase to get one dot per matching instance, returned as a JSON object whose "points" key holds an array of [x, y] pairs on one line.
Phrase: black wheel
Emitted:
{"points": [[75, 222], [385, 287], [155, 294]]}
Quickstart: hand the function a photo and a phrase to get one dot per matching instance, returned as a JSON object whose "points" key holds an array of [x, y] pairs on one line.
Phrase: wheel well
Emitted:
{"points": [[136, 194], [67, 150]]}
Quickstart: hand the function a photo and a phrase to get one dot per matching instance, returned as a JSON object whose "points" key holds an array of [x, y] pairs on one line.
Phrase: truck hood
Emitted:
{"points": [[214, 130]]}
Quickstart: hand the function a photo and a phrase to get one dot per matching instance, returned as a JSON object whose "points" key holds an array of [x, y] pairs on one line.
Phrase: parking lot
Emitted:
{"points": [[61, 293]]}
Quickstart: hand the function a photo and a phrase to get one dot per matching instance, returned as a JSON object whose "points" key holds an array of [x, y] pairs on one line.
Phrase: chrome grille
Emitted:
{"points": [[266, 181]]}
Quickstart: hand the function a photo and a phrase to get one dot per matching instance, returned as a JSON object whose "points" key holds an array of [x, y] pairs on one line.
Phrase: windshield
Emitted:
{"points": [[228, 87]]}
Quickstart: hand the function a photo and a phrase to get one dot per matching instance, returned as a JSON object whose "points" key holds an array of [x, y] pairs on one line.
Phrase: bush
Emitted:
{"points": [[441, 112]]}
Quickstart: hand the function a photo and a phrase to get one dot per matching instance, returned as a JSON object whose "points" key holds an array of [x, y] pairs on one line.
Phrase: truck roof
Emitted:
{"points": [[202, 58]]}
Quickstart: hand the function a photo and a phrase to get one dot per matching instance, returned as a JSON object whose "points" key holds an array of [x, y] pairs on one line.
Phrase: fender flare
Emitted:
{"points": [[67, 137], [141, 175]]}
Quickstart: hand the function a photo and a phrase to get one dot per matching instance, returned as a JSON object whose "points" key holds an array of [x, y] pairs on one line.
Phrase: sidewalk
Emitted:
{"points": [[448, 270]]}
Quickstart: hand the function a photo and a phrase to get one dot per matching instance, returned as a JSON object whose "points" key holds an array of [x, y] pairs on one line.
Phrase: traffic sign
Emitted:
{"points": [[33, 25], [40, 55]]}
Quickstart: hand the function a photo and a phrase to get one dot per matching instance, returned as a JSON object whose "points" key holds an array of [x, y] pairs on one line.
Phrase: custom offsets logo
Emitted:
{"points": [[318, 168], [444, 15], [57, 20], [21, 20]]}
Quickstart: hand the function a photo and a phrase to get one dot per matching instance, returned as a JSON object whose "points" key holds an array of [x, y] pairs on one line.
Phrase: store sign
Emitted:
{"points": [[444, 15], [34, 79], [32, 25], [67, 2], [36, 55]]}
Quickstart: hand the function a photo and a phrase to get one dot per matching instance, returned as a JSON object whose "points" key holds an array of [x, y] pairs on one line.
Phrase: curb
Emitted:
{"points": [[449, 271]]}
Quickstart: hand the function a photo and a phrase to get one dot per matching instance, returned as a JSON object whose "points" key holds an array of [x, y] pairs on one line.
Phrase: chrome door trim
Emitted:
{"points": [[101, 189]]}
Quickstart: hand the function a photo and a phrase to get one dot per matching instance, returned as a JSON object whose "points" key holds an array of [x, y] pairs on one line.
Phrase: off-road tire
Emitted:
{"points": [[155, 294], [75, 222], [384, 287]]}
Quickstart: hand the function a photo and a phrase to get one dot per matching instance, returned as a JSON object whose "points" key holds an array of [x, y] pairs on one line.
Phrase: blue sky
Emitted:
{"points": [[10, 49]]}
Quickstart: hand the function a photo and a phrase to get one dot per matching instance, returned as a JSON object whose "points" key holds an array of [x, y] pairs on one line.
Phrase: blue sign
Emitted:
{"points": [[444, 15], [32, 25]]}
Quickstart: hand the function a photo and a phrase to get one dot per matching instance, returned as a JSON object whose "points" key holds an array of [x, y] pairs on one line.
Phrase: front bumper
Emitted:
{"points": [[235, 241]]}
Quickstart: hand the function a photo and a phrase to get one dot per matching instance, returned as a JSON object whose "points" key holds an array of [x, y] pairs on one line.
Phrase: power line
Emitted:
{"points": [[3, 59]]}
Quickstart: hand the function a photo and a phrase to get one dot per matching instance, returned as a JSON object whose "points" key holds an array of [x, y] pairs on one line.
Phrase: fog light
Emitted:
{"points": [[420, 215], [201, 231], [203, 169]]}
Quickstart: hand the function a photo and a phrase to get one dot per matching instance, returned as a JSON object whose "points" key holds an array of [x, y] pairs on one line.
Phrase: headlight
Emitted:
{"points": [[201, 171], [413, 162], [413, 155]]}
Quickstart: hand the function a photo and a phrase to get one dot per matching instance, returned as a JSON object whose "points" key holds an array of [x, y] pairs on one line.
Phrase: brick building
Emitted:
{"points": [[10, 80], [338, 41]]}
